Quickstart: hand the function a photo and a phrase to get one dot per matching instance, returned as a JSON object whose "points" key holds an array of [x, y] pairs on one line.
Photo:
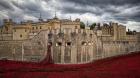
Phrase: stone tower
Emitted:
{"points": [[115, 29], [7, 28]]}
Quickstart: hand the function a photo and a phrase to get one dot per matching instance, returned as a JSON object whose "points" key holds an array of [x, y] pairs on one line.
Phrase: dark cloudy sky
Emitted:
{"points": [[126, 12]]}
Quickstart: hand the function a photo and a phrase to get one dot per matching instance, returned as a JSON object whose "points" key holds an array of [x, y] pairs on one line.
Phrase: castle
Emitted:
{"points": [[70, 44], [26, 30]]}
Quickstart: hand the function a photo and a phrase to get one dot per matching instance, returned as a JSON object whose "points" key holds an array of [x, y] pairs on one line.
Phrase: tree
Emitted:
{"points": [[82, 25], [92, 26]]}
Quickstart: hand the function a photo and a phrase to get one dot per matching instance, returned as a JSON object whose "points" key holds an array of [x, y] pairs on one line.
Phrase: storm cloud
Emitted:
{"points": [[126, 12], [105, 2]]}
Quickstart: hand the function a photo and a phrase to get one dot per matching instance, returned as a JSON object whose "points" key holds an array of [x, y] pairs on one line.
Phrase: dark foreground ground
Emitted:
{"points": [[125, 66]]}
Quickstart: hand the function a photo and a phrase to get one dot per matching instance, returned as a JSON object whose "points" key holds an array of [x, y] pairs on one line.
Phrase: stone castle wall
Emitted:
{"points": [[20, 50], [68, 46]]}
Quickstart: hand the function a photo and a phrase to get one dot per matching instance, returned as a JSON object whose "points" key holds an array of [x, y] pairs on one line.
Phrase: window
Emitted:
{"points": [[68, 44], [20, 35], [36, 27], [58, 44], [40, 27], [75, 27], [83, 43], [25, 30], [90, 35], [39, 43], [33, 28]]}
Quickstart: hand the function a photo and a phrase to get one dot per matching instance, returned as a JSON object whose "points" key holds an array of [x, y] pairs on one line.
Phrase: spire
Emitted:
{"points": [[87, 23], [40, 17], [55, 17], [55, 14], [70, 17]]}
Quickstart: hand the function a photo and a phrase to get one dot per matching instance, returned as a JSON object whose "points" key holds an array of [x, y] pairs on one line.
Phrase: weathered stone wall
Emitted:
{"points": [[68, 46], [6, 37], [114, 48], [10, 50], [81, 46], [21, 50]]}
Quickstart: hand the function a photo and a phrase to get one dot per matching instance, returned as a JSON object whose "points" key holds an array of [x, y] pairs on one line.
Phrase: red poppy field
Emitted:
{"points": [[125, 66]]}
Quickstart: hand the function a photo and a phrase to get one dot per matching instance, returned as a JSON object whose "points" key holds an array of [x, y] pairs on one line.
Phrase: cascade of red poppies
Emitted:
{"points": [[48, 59]]}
